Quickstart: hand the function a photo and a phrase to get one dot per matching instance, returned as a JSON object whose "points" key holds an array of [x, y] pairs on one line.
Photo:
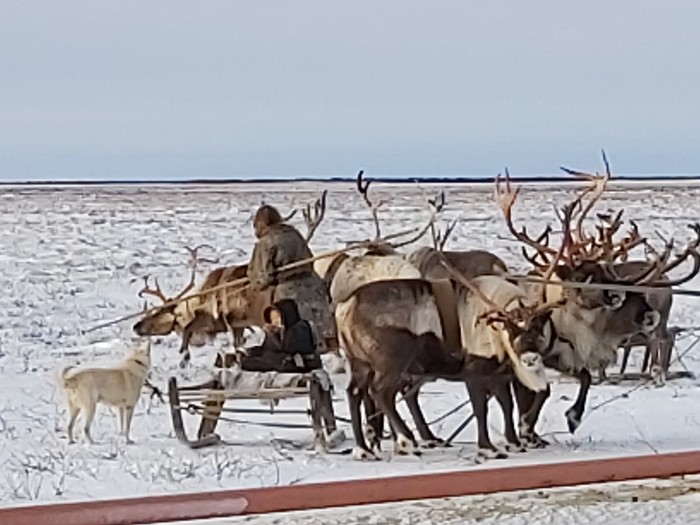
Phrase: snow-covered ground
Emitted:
{"points": [[74, 257]]}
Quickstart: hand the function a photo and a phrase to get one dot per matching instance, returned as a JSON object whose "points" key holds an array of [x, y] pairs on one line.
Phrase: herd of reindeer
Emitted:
{"points": [[404, 319]]}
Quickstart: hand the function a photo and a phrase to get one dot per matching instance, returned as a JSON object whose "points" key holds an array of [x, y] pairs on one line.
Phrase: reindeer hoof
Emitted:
{"points": [[362, 454], [434, 443], [487, 453], [319, 443], [375, 442], [658, 376], [535, 441], [516, 446], [405, 446]]}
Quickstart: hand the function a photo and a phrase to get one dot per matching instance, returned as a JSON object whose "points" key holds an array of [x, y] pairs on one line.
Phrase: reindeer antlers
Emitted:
{"points": [[363, 189], [313, 218], [437, 205], [603, 248], [157, 292], [505, 198], [362, 186], [193, 263], [195, 259]]}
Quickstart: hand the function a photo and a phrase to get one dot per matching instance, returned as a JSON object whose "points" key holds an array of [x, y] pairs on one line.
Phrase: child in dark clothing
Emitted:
{"points": [[289, 344]]}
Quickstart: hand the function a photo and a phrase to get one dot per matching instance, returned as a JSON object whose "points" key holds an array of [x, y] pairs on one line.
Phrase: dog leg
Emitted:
{"points": [[128, 414], [122, 419], [89, 416], [74, 412]]}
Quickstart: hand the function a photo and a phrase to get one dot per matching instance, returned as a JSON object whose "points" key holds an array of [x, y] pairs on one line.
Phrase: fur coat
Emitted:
{"points": [[280, 245]]}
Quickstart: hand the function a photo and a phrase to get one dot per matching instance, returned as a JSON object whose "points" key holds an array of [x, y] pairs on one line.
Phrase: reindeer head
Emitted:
{"points": [[170, 316], [159, 322], [523, 327]]}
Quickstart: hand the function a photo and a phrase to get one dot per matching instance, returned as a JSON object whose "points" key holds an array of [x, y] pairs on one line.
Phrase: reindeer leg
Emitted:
{"points": [[529, 407], [660, 358], [355, 396], [405, 442], [201, 322], [426, 435], [575, 413], [375, 423], [647, 356], [666, 342], [627, 349], [602, 374], [478, 394], [184, 345], [505, 399]]}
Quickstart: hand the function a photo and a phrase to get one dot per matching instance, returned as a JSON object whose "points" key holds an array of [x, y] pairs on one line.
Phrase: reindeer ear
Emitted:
{"points": [[614, 299]]}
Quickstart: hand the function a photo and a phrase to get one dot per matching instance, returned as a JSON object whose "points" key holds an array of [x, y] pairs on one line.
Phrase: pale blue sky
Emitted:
{"points": [[172, 89]]}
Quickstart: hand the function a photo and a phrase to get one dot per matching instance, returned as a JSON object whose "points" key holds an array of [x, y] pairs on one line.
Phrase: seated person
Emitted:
{"points": [[289, 344]]}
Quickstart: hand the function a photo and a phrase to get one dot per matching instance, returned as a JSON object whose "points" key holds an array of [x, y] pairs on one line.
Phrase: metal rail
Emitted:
{"points": [[208, 505]]}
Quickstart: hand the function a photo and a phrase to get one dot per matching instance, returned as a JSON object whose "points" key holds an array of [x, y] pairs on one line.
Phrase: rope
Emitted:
{"points": [[599, 286], [450, 412]]}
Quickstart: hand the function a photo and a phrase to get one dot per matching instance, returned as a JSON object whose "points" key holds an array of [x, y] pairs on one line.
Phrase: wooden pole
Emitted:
{"points": [[236, 282]]}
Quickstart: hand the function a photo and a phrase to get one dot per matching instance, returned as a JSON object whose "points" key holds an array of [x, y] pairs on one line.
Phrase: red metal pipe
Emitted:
{"points": [[181, 507]]}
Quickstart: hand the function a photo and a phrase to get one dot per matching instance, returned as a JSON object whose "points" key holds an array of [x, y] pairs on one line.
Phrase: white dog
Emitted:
{"points": [[118, 386]]}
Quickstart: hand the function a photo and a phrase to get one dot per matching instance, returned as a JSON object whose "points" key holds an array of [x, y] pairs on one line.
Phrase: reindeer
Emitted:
{"points": [[391, 333], [198, 320], [228, 310], [586, 331], [381, 261], [659, 343], [399, 330]]}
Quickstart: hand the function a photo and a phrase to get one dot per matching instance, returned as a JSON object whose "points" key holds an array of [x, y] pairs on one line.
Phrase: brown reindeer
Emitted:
{"points": [[230, 309], [344, 274], [400, 330]]}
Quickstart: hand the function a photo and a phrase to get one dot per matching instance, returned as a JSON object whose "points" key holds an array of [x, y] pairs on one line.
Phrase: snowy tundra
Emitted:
{"points": [[73, 257]]}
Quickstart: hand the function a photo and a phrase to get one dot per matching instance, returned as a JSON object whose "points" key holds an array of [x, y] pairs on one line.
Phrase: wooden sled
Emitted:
{"points": [[315, 385]]}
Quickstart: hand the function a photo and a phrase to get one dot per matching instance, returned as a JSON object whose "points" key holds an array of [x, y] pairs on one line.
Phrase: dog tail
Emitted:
{"points": [[64, 377]]}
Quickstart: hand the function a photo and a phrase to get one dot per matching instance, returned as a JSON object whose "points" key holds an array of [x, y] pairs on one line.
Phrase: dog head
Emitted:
{"points": [[141, 353]]}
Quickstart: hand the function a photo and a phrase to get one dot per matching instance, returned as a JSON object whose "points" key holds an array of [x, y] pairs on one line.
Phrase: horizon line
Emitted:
{"points": [[461, 179]]}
